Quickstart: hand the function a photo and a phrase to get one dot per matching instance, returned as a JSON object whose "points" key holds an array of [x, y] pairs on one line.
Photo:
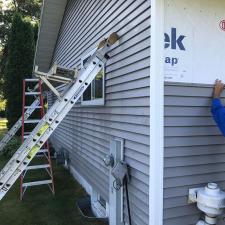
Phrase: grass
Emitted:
{"points": [[40, 207]]}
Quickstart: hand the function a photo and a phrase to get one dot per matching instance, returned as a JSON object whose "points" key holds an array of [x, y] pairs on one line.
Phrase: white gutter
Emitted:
{"points": [[156, 114]]}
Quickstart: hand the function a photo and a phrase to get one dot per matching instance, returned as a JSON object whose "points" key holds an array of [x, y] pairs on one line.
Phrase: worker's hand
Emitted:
{"points": [[218, 88]]}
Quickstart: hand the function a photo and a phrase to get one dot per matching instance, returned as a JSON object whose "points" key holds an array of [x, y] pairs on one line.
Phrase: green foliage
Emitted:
{"points": [[19, 65], [2, 104], [35, 30], [12, 146], [2, 108], [3, 123], [30, 8], [22, 50], [5, 25], [3, 60], [27, 8]]}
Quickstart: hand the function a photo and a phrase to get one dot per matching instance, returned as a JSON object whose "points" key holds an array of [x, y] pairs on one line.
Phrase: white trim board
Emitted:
{"points": [[157, 113]]}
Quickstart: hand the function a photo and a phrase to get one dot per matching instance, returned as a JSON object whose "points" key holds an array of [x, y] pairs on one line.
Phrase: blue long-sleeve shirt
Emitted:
{"points": [[218, 112]]}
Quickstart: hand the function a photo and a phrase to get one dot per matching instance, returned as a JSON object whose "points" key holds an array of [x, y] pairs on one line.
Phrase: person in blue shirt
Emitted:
{"points": [[217, 109]]}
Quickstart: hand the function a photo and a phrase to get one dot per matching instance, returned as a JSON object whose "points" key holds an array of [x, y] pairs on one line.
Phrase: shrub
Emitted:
{"points": [[12, 146]]}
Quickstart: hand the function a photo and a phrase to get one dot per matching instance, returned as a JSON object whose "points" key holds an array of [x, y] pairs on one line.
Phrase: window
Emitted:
{"points": [[94, 94], [99, 206]]}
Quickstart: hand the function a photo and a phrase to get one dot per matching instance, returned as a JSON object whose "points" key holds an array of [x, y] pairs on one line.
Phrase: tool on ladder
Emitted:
{"points": [[30, 147], [44, 162]]}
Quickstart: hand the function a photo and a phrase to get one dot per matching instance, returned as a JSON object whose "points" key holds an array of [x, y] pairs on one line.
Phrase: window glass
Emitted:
{"points": [[95, 91], [97, 86], [87, 94]]}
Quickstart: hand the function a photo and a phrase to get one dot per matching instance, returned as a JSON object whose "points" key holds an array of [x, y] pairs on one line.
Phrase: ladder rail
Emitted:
{"points": [[8, 136], [51, 120]]}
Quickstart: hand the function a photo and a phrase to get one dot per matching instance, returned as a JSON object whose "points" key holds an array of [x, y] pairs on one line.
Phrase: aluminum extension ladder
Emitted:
{"points": [[43, 158], [23, 156]]}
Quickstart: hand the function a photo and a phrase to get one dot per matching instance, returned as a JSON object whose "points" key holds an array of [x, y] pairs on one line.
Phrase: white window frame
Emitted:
{"points": [[98, 208], [99, 101]]}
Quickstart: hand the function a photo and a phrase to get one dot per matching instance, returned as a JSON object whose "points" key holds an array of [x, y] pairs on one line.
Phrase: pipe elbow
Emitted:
{"points": [[201, 222]]}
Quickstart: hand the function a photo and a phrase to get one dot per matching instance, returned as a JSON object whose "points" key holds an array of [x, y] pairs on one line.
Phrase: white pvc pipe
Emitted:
{"points": [[201, 222]]}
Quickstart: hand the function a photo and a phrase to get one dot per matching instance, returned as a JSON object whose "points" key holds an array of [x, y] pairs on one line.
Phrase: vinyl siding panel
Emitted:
{"points": [[86, 131], [194, 150]]}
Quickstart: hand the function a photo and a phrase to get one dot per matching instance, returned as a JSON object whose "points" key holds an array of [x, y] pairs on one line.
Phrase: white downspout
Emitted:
{"points": [[156, 113]]}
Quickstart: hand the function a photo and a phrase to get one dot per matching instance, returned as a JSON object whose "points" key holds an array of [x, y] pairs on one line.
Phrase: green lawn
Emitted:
{"points": [[40, 207]]}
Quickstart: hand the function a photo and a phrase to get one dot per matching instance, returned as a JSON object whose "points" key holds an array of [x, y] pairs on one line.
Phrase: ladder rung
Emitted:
{"points": [[37, 167], [42, 151], [36, 183], [32, 93], [32, 107], [32, 80], [40, 156], [32, 121]]}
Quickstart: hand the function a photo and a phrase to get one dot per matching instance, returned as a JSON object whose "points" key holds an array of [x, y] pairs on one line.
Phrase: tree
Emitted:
{"points": [[27, 8], [30, 8], [35, 30], [19, 65], [5, 25]]}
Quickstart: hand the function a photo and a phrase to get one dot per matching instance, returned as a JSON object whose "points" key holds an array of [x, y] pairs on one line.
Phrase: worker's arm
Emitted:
{"points": [[218, 110]]}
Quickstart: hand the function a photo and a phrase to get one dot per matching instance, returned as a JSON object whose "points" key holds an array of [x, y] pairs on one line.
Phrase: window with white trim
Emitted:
{"points": [[94, 94]]}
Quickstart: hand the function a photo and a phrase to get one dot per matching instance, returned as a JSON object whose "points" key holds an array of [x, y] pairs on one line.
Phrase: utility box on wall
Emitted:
{"points": [[194, 41]]}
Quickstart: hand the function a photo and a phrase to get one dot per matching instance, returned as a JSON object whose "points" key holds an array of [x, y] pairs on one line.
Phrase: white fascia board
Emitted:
{"points": [[52, 13], [38, 37], [156, 114]]}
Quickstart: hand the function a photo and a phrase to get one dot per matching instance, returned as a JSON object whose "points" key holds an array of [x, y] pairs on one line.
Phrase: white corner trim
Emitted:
{"points": [[156, 114]]}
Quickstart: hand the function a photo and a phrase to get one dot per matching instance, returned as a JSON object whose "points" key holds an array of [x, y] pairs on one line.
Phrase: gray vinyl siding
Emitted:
{"points": [[194, 150], [86, 131]]}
